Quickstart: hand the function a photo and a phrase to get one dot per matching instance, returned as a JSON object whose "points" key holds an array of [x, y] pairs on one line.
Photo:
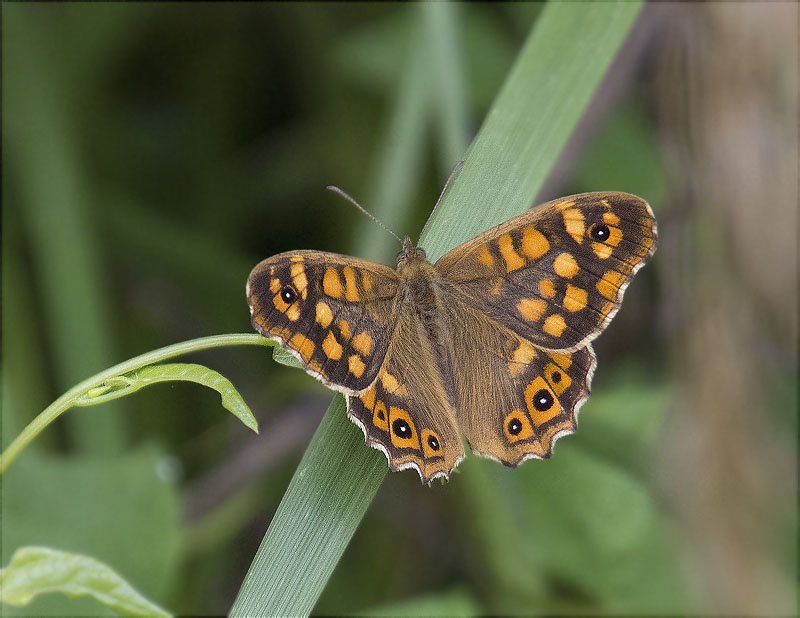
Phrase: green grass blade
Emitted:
{"points": [[550, 85], [399, 165], [39, 570], [54, 187], [326, 500], [447, 88]]}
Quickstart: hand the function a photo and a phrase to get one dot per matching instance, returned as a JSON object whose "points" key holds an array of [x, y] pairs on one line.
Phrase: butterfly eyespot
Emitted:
{"points": [[514, 427], [433, 443], [556, 377], [542, 400], [288, 294], [401, 429], [600, 232]]}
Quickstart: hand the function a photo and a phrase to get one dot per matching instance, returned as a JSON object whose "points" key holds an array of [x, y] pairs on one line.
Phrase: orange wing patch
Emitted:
{"points": [[575, 223], [356, 365], [531, 308], [403, 432], [534, 244], [510, 256], [542, 403], [565, 265], [332, 284]]}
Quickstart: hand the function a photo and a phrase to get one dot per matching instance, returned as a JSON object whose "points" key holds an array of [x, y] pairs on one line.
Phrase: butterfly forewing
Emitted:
{"points": [[335, 313], [556, 274]]}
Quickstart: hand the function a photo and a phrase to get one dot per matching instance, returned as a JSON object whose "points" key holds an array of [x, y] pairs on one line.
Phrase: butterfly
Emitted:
{"points": [[493, 341]]}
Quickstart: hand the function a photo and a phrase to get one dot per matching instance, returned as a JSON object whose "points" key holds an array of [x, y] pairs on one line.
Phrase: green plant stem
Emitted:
{"points": [[71, 397]]}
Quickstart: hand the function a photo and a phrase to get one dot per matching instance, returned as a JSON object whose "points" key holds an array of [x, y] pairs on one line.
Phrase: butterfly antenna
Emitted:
{"points": [[441, 195], [380, 223]]}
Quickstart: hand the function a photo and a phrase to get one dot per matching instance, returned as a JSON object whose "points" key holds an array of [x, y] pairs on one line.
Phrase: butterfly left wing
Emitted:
{"points": [[344, 319], [336, 314], [407, 413], [556, 274]]}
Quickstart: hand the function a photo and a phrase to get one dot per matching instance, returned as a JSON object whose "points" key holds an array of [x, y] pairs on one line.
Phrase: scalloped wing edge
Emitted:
{"points": [[564, 432], [405, 466]]}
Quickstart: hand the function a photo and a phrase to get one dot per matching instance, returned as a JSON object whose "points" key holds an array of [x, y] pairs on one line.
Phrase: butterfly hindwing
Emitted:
{"points": [[519, 399], [335, 313], [407, 413], [556, 274]]}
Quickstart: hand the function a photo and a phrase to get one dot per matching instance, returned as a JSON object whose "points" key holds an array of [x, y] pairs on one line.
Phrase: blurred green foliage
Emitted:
{"points": [[153, 153], [116, 510]]}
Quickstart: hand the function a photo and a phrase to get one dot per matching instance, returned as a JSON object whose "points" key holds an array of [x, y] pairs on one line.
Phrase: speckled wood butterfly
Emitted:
{"points": [[493, 340]]}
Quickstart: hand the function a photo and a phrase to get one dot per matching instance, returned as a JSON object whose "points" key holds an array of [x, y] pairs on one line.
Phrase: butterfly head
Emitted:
{"points": [[410, 253]]}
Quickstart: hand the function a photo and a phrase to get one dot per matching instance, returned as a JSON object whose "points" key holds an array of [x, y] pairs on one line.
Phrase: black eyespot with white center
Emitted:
{"points": [[433, 443], [288, 294], [600, 232], [514, 427], [543, 400], [401, 428]]}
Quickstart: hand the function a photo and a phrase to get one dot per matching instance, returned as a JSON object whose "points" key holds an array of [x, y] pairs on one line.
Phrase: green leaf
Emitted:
{"points": [[536, 111], [282, 356], [129, 383], [39, 570], [92, 505]]}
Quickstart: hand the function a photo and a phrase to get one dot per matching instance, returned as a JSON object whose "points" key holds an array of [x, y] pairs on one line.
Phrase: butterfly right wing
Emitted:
{"points": [[516, 400], [336, 314], [524, 301]]}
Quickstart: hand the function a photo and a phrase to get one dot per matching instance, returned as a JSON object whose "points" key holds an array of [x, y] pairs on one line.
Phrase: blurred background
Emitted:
{"points": [[154, 153]]}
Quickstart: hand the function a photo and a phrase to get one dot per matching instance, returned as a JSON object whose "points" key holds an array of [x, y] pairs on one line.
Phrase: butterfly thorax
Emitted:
{"points": [[420, 287], [416, 273]]}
